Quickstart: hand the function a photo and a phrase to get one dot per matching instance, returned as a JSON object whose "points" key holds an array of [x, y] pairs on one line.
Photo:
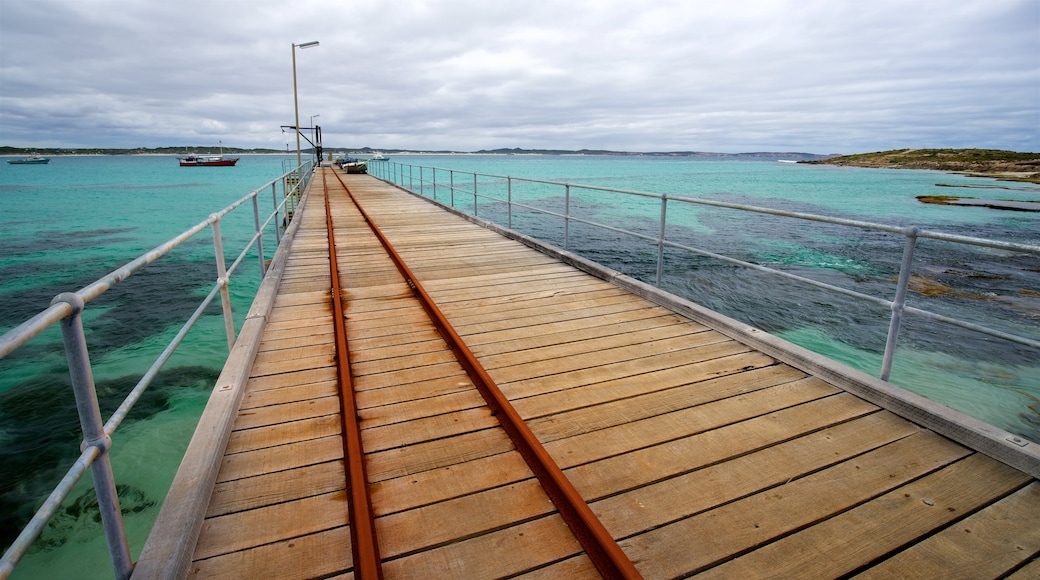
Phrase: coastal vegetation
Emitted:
{"points": [[1010, 165]]}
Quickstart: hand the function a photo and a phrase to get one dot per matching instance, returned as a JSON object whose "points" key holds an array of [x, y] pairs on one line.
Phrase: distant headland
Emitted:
{"points": [[995, 163]]}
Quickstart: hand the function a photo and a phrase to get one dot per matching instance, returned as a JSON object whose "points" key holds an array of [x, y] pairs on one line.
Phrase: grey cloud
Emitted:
{"points": [[812, 75]]}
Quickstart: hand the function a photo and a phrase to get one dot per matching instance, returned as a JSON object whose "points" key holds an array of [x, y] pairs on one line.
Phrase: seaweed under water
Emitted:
{"points": [[41, 436]]}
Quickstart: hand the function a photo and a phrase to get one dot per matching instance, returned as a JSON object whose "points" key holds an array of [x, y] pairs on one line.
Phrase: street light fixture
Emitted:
{"points": [[296, 99]]}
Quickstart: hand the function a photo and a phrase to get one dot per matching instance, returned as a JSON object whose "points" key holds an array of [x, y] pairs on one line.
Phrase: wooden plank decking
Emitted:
{"points": [[698, 453]]}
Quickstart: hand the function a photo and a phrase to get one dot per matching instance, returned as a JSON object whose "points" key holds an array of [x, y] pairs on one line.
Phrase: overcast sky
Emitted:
{"points": [[818, 76]]}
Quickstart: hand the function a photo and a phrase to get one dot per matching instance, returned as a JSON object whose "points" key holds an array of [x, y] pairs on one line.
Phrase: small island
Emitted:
{"points": [[993, 163]]}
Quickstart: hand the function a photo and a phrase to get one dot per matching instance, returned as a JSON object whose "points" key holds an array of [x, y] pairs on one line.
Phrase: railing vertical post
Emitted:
{"points": [[566, 215], [274, 198], [422, 185], [94, 435], [451, 177], [222, 280], [509, 200], [434, 183], [411, 179], [259, 235], [660, 238], [899, 303], [474, 194]]}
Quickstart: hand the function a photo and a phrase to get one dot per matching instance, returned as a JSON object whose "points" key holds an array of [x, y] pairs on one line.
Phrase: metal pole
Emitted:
{"points": [[474, 194], [274, 198], [660, 239], [259, 235], [222, 280], [434, 184], [296, 107], [899, 302], [451, 176], [94, 434], [509, 200], [296, 99], [566, 215]]}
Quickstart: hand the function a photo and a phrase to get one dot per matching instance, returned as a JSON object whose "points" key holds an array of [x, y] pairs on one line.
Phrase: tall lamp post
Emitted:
{"points": [[296, 99]]}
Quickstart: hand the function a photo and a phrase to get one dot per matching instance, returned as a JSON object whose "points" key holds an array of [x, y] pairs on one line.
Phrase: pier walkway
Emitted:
{"points": [[697, 450]]}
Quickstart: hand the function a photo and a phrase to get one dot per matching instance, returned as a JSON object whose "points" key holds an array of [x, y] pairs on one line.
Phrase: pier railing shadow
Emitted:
{"points": [[66, 310], [511, 201]]}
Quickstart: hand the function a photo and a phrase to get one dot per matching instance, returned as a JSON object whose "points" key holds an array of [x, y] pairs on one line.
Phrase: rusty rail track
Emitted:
{"points": [[598, 544]]}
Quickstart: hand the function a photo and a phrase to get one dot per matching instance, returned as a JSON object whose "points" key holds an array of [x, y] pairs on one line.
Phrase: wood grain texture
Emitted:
{"points": [[700, 455]]}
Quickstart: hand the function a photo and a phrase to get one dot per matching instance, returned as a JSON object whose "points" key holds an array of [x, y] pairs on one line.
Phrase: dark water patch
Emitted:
{"points": [[40, 433], [20, 305], [157, 187], [91, 234], [140, 306], [978, 186], [147, 302], [65, 241], [82, 513]]}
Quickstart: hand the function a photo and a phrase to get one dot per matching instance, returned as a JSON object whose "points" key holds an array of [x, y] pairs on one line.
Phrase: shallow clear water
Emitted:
{"points": [[64, 225], [68, 223]]}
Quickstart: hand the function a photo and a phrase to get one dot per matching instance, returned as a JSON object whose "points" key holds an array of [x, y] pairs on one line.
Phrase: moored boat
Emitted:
{"points": [[355, 167], [207, 161], [193, 160], [352, 165], [30, 160]]}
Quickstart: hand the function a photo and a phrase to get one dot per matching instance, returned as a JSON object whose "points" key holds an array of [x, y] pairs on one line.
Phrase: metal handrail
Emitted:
{"points": [[393, 172], [66, 309]]}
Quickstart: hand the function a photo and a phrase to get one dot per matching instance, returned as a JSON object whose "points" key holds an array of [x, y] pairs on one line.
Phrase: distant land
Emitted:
{"points": [[1008, 165], [206, 150], [997, 163]]}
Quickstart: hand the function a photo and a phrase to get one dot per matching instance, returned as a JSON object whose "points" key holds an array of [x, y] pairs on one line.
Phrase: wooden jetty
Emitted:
{"points": [[703, 447]]}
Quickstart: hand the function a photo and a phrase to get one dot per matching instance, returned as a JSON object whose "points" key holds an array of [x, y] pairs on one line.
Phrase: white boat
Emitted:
{"points": [[377, 156], [30, 160]]}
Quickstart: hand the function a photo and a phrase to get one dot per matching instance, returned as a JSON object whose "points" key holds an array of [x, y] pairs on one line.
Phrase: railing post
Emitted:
{"points": [[660, 238], [274, 198], [899, 303], [259, 235], [222, 280], [566, 215], [94, 435], [434, 183], [509, 200], [451, 176], [421, 186], [411, 180]]}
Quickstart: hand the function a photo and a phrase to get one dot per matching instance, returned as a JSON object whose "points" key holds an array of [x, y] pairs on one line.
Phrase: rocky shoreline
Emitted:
{"points": [[991, 163]]}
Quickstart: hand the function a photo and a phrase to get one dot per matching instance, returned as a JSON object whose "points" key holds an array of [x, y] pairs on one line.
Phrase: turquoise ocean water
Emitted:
{"points": [[70, 222], [65, 225]]}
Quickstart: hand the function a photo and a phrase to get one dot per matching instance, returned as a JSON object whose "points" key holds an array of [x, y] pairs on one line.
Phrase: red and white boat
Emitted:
{"points": [[193, 160], [207, 161]]}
